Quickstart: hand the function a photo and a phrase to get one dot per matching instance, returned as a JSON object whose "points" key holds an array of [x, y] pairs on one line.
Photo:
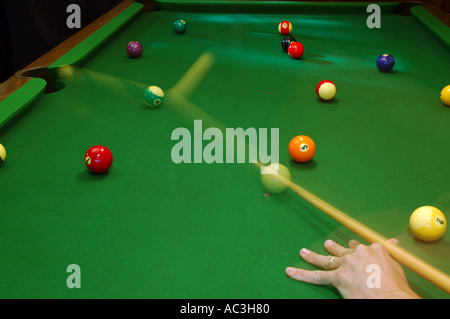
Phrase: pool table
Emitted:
{"points": [[155, 226]]}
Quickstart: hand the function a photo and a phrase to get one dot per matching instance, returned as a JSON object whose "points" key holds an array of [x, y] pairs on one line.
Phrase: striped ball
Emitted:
{"points": [[153, 96], [326, 90], [285, 27]]}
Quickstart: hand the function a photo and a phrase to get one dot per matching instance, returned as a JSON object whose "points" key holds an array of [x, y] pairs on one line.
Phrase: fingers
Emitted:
{"points": [[316, 277], [328, 263], [337, 252], [336, 249], [353, 244], [324, 262]]}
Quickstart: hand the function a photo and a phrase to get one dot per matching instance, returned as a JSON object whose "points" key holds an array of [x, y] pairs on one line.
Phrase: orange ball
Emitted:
{"points": [[302, 148]]}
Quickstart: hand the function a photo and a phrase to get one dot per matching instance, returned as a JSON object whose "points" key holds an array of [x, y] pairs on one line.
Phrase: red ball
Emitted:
{"points": [[98, 159], [326, 90], [296, 50]]}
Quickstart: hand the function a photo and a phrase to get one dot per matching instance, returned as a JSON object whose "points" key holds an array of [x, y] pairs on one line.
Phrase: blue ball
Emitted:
{"points": [[179, 26], [153, 96], [385, 62]]}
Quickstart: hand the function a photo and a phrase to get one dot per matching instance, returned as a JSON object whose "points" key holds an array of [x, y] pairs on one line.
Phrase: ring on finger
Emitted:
{"points": [[330, 263]]}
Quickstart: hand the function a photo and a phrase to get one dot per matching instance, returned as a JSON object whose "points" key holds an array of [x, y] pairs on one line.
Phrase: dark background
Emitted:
{"points": [[30, 28]]}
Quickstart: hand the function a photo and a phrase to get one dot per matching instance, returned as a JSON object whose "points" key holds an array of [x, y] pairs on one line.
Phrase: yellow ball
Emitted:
{"points": [[275, 178], [428, 223], [2, 154], [445, 95]]}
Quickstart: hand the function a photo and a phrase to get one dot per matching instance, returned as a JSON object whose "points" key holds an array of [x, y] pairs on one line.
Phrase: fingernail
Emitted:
{"points": [[329, 242], [393, 241], [304, 251], [290, 270]]}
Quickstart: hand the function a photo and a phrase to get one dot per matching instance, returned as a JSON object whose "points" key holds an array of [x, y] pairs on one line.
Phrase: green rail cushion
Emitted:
{"points": [[79, 53], [434, 25], [18, 101]]}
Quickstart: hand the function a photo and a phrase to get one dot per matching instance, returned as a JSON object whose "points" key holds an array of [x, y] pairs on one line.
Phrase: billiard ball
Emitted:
{"points": [[179, 26], [427, 223], [296, 50], [286, 42], [153, 96], [275, 178], [134, 49], [302, 148], [2, 154], [285, 27], [326, 90], [385, 62], [445, 95], [98, 159]]}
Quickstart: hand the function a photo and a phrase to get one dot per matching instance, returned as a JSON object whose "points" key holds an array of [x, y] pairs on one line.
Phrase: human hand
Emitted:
{"points": [[347, 270]]}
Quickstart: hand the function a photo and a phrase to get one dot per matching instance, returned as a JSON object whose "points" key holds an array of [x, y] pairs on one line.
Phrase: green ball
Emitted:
{"points": [[271, 180], [153, 96], [179, 26]]}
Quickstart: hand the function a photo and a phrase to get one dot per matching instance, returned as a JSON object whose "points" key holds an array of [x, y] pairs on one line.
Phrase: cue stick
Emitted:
{"points": [[419, 266], [190, 81]]}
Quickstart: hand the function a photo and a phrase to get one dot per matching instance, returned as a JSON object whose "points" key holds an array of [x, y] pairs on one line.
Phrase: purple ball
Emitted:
{"points": [[134, 49]]}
